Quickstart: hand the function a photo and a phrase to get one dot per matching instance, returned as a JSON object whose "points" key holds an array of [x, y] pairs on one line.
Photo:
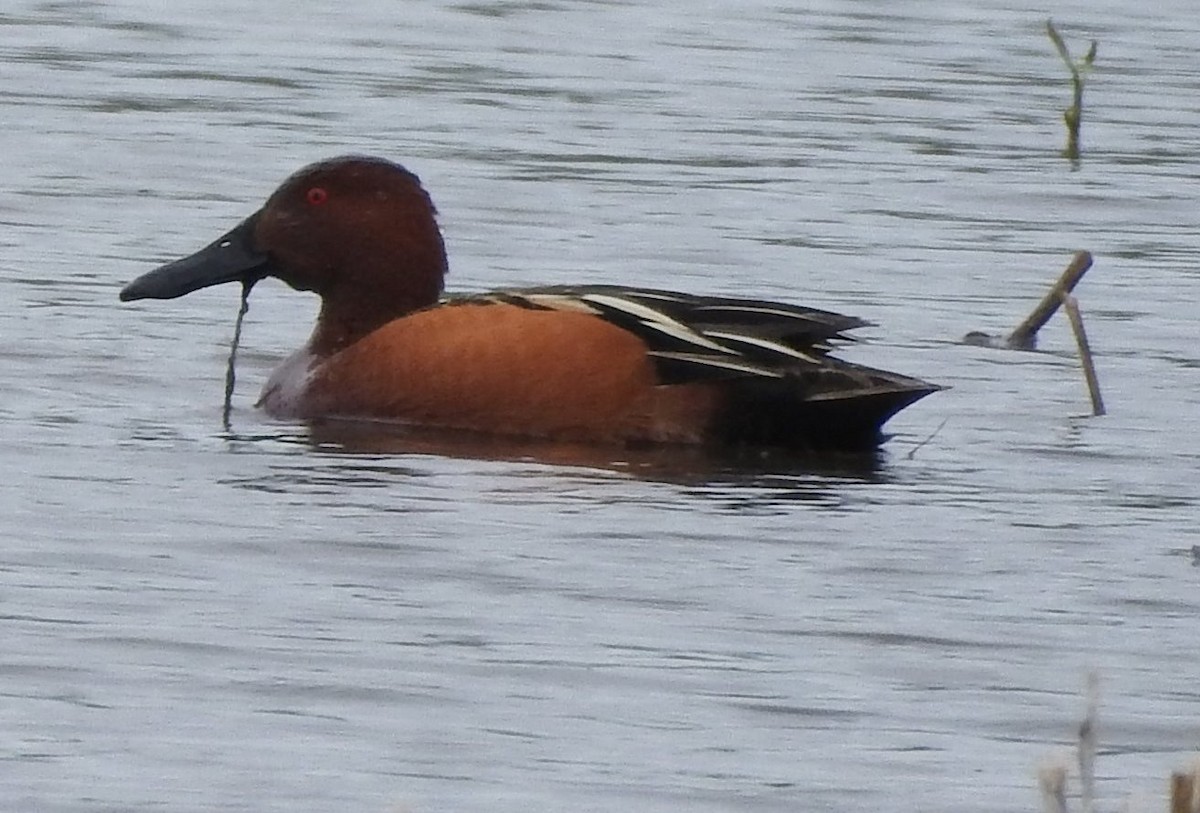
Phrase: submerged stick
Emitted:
{"points": [[1024, 337], [1085, 353], [230, 378]]}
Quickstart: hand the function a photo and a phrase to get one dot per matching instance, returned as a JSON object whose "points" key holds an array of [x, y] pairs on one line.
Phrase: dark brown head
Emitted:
{"points": [[354, 222], [359, 231]]}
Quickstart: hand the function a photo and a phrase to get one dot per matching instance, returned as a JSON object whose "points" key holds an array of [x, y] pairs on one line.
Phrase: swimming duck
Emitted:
{"points": [[592, 363]]}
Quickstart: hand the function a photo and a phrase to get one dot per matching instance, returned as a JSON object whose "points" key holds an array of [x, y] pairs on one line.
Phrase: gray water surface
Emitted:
{"points": [[277, 617]]}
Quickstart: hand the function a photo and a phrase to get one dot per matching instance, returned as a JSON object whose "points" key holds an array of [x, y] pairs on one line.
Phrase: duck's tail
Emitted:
{"points": [[837, 407]]}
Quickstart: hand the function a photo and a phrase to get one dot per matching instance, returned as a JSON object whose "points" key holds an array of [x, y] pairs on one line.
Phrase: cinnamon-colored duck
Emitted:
{"points": [[593, 363]]}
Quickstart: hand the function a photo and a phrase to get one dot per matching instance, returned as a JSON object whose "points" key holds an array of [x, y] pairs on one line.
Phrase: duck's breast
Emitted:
{"points": [[286, 391]]}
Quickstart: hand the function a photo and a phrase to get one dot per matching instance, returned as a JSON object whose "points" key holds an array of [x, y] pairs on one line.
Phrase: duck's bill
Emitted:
{"points": [[230, 258]]}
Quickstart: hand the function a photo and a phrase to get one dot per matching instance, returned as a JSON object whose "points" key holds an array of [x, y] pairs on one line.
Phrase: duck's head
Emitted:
{"points": [[359, 231]]}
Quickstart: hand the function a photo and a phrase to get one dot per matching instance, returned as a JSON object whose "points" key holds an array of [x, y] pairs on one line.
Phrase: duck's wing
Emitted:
{"points": [[695, 338], [772, 361]]}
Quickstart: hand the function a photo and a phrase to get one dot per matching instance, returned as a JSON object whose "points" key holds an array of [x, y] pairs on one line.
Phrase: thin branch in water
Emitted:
{"points": [[1085, 353]]}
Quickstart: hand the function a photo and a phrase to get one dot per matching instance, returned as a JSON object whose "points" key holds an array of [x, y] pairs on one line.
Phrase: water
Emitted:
{"points": [[279, 618]]}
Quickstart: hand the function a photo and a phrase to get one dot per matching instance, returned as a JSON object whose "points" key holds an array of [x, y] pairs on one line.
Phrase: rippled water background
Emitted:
{"points": [[196, 620]]}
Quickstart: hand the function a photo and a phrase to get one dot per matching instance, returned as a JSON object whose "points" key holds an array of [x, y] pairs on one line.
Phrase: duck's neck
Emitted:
{"points": [[351, 312]]}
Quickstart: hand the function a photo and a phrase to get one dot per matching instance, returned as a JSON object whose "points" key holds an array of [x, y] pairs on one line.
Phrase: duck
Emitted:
{"points": [[591, 363]]}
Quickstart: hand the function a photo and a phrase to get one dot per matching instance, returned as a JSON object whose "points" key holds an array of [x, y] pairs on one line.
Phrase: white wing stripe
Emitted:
{"points": [[660, 295], [802, 316], [765, 344], [643, 312], [657, 320], [686, 334], [559, 302], [720, 363]]}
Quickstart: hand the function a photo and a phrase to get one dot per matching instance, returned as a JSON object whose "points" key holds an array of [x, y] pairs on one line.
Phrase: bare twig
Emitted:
{"points": [[1085, 353], [1024, 337]]}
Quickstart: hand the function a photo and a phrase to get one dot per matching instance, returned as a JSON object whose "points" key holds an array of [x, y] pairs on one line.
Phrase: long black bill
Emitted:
{"points": [[230, 258]]}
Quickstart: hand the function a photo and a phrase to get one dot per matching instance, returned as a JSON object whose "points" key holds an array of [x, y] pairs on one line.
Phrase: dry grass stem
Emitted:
{"points": [[1073, 115]]}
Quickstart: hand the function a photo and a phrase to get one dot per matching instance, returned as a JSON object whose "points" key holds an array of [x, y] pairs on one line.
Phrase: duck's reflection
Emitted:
{"points": [[673, 463]]}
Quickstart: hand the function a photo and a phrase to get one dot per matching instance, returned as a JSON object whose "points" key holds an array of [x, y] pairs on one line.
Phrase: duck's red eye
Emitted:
{"points": [[316, 196]]}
